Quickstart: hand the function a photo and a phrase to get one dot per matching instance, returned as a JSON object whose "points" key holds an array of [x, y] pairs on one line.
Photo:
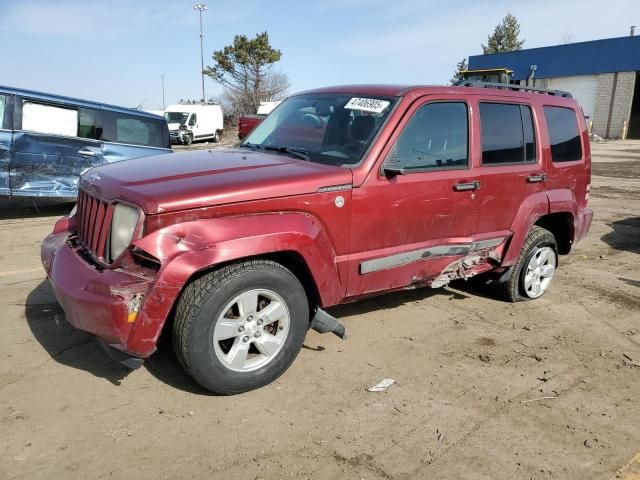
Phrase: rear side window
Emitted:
{"points": [[125, 128], [87, 124], [508, 135], [5, 120], [41, 118], [564, 135], [436, 138]]}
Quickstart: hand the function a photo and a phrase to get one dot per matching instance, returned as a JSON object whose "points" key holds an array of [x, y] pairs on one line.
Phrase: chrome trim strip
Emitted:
{"points": [[489, 243], [404, 258]]}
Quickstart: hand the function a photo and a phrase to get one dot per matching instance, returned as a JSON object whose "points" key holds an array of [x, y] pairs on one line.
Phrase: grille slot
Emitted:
{"points": [[94, 219]]}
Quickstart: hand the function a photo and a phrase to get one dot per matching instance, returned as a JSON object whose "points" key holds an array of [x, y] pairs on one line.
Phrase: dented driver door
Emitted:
{"points": [[415, 215]]}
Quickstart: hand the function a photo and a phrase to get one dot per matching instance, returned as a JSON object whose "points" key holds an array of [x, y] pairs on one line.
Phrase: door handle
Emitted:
{"points": [[87, 153], [536, 178], [461, 187]]}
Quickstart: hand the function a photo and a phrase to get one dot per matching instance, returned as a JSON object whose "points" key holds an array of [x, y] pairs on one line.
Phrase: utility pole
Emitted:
{"points": [[163, 106], [201, 7]]}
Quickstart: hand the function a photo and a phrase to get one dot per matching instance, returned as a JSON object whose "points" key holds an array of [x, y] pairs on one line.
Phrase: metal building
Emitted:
{"points": [[603, 75]]}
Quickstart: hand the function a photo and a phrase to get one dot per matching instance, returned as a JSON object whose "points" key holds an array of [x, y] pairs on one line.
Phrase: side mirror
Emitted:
{"points": [[391, 171]]}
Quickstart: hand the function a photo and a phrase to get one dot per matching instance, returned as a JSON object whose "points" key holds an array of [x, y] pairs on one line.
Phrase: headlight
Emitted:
{"points": [[123, 224]]}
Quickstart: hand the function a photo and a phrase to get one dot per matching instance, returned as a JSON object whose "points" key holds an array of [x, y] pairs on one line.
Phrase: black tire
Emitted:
{"points": [[512, 290], [200, 307], [216, 137], [188, 140]]}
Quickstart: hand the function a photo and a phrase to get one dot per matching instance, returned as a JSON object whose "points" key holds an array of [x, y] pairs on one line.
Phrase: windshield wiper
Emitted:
{"points": [[252, 146], [293, 152]]}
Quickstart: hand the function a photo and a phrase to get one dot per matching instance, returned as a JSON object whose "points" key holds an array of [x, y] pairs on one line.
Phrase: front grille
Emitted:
{"points": [[93, 220]]}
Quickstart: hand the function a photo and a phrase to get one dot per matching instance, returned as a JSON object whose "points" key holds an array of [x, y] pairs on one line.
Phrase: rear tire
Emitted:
{"points": [[229, 345], [539, 247], [216, 137]]}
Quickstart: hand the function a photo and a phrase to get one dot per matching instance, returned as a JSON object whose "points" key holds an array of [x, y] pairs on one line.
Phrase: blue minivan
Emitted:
{"points": [[47, 141]]}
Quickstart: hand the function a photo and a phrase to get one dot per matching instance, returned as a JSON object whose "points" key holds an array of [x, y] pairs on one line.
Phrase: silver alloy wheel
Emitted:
{"points": [[540, 271], [251, 330]]}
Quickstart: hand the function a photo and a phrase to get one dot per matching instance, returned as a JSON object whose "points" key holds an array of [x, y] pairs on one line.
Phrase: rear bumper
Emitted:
{"points": [[99, 302]]}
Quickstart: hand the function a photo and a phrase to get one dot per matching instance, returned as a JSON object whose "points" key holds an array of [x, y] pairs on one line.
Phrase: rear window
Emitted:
{"points": [[125, 128], [564, 135], [508, 135]]}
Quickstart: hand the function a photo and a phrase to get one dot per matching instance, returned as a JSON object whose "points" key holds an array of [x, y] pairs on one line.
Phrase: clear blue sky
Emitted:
{"points": [[115, 50]]}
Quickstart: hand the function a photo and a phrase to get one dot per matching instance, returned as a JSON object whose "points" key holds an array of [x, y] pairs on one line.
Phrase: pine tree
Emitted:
{"points": [[505, 37], [459, 73]]}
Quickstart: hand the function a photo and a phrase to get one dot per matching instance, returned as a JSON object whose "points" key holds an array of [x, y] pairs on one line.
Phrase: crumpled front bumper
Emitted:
{"points": [[96, 301]]}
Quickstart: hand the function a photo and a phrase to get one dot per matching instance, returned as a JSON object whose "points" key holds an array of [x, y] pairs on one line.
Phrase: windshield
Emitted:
{"points": [[176, 117], [333, 128]]}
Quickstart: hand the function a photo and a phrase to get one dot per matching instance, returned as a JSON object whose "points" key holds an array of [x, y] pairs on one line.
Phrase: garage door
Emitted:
{"points": [[583, 89]]}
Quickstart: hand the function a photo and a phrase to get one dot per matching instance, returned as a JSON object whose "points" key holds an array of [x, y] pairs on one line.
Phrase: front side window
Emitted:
{"points": [[564, 135], [508, 135], [435, 138], [131, 129], [331, 128], [41, 118]]}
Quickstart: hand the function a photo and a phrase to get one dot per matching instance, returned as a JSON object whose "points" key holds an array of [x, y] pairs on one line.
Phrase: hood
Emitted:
{"points": [[178, 181], [174, 126]]}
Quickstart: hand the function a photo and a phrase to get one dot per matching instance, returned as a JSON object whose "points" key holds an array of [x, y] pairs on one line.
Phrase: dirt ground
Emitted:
{"points": [[472, 375]]}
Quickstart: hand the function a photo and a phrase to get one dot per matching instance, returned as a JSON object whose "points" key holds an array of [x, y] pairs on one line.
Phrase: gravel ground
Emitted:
{"points": [[485, 390]]}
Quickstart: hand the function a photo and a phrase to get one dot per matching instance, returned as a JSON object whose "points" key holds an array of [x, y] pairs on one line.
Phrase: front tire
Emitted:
{"points": [[240, 327], [533, 272]]}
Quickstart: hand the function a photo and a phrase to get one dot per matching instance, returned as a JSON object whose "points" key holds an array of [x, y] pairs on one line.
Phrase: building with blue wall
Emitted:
{"points": [[601, 74]]}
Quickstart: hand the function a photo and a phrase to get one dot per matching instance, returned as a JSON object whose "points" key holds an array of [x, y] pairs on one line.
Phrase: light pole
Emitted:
{"points": [[163, 106], [201, 7]]}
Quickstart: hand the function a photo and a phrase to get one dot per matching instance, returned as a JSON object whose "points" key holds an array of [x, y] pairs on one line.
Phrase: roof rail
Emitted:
{"points": [[511, 86]]}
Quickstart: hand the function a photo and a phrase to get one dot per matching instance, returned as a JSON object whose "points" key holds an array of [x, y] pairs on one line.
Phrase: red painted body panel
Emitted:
{"points": [[246, 123], [213, 177], [205, 208]]}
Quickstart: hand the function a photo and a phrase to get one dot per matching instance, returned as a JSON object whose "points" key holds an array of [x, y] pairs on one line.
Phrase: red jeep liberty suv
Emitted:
{"points": [[341, 193]]}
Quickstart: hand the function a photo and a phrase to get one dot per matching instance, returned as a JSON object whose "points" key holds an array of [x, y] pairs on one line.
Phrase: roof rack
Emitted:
{"points": [[511, 86]]}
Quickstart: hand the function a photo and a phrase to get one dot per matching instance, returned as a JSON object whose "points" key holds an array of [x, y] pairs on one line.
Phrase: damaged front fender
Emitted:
{"points": [[186, 249]]}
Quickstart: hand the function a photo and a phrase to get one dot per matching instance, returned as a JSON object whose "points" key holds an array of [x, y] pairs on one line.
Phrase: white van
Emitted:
{"points": [[193, 122]]}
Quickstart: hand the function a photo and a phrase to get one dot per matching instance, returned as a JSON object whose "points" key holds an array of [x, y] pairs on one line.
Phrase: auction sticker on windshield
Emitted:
{"points": [[367, 104]]}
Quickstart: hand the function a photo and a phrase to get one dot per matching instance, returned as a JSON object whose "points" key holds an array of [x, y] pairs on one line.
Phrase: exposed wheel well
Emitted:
{"points": [[296, 264], [561, 226]]}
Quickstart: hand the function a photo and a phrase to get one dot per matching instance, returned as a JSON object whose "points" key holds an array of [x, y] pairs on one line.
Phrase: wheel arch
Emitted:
{"points": [[561, 226]]}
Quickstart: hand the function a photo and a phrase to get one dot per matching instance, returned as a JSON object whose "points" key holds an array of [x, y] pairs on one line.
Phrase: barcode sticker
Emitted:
{"points": [[367, 104]]}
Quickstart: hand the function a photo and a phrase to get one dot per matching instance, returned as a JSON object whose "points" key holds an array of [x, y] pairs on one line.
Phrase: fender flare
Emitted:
{"points": [[188, 248], [533, 207]]}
